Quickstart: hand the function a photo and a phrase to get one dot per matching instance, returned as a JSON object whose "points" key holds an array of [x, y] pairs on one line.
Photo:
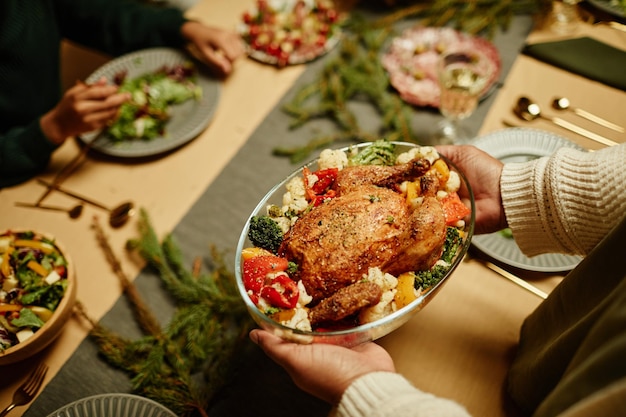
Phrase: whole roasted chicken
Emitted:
{"points": [[368, 224]]}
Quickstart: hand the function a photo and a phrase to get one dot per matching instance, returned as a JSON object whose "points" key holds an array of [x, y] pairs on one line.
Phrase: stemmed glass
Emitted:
{"points": [[564, 16], [463, 74]]}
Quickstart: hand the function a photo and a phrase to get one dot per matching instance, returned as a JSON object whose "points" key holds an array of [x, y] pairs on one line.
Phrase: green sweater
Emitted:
{"points": [[30, 84]]}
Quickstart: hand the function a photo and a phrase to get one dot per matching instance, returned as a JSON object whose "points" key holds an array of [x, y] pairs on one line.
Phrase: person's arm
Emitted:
{"points": [[565, 203], [361, 381], [24, 152], [117, 27]]}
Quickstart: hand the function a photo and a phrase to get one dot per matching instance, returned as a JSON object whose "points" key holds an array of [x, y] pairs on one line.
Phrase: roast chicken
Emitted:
{"points": [[368, 224]]}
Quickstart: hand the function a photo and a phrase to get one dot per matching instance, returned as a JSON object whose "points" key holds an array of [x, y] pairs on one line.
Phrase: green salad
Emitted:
{"points": [[33, 280], [148, 111]]}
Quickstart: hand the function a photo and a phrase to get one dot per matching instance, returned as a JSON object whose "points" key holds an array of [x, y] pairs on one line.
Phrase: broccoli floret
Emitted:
{"points": [[265, 233], [292, 267], [451, 245], [430, 277], [380, 152]]}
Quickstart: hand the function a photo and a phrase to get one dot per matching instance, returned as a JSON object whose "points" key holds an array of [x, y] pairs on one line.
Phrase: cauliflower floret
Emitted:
{"points": [[428, 152], [283, 222], [300, 318], [294, 198], [330, 158], [383, 280], [454, 182], [385, 306]]}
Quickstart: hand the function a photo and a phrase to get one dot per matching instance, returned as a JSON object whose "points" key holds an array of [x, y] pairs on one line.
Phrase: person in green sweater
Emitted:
{"points": [[570, 357], [36, 116]]}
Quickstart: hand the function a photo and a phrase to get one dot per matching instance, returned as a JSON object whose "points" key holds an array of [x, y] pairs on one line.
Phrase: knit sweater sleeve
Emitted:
{"points": [[24, 152], [120, 26], [565, 203], [382, 394]]}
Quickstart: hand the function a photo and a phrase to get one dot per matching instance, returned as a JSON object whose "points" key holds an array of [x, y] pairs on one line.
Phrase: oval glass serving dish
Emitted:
{"points": [[359, 333]]}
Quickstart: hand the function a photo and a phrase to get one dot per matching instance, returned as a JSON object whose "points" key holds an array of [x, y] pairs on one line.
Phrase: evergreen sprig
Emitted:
{"points": [[207, 330], [356, 72]]}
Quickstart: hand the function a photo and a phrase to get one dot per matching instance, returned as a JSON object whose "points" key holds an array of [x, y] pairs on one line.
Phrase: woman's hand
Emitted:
{"points": [[218, 48], [83, 108], [483, 172], [323, 370]]}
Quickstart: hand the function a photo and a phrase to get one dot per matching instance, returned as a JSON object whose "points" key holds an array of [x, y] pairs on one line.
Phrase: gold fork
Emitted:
{"points": [[27, 391]]}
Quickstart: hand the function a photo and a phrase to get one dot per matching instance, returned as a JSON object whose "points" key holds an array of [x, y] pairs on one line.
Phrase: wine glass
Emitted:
{"points": [[463, 75], [564, 16]]}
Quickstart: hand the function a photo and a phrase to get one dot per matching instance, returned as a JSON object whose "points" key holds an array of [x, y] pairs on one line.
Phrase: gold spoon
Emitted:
{"points": [[525, 109], [562, 104], [73, 212], [118, 215]]}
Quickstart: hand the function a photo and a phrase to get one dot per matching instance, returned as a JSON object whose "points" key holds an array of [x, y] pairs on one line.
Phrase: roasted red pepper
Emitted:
{"points": [[255, 270], [322, 188], [281, 292]]}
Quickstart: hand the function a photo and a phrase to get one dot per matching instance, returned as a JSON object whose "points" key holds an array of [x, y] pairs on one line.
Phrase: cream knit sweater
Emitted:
{"points": [[565, 203]]}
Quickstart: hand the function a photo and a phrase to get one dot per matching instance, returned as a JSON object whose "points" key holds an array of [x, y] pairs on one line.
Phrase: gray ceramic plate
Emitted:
{"points": [[519, 145], [118, 405], [610, 6], [188, 120]]}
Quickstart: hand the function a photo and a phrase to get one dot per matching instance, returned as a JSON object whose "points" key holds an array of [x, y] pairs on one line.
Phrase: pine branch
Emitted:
{"points": [[202, 338], [357, 74], [145, 318]]}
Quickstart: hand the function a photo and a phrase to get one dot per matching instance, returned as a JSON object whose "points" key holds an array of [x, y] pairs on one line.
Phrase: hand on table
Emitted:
{"points": [[323, 370], [483, 172], [218, 48], [83, 108]]}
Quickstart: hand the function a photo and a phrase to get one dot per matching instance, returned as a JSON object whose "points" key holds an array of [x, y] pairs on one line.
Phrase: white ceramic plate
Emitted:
{"points": [[519, 145], [411, 61], [118, 405], [188, 120]]}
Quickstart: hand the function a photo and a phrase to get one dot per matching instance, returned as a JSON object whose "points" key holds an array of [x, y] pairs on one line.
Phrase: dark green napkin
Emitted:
{"points": [[584, 56]]}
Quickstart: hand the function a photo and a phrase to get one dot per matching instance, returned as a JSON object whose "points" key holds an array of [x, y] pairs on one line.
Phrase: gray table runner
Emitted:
{"points": [[261, 388]]}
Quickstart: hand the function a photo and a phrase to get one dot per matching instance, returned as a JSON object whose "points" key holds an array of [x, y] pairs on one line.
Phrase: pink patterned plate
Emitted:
{"points": [[411, 61]]}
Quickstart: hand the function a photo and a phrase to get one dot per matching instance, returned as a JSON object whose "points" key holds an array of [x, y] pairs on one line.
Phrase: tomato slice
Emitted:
{"points": [[454, 209], [255, 270]]}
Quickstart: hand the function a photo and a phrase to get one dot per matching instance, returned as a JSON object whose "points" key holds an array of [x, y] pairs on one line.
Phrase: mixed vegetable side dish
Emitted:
{"points": [[364, 235], [147, 113], [33, 280], [290, 31]]}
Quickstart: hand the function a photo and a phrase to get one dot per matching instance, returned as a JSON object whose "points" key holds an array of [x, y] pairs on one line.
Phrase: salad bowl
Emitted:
{"points": [[359, 333], [37, 292]]}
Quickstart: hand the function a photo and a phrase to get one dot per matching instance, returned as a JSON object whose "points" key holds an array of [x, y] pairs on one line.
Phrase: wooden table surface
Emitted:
{"points": [[459, 346]]}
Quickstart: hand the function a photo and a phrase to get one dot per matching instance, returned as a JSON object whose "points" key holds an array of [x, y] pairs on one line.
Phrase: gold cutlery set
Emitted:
{"points": [[118, 215], [527, 110]]}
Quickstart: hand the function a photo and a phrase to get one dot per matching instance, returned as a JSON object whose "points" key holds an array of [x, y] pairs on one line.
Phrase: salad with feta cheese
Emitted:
{"points": [[33, 281]]}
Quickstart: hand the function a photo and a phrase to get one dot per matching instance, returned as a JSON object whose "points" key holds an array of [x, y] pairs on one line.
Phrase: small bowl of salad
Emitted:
{"points": [[37, 292], [350, 246]]}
